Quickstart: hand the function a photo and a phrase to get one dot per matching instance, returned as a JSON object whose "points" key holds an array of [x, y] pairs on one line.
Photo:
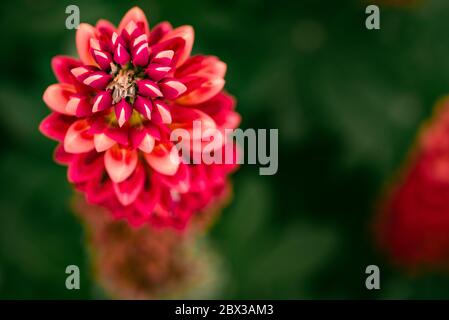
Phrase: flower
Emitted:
{"points": [[413, 222], [114, 109]]}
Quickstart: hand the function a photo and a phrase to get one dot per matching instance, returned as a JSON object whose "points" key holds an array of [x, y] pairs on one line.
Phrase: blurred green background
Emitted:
{"points": [[347, 103]]}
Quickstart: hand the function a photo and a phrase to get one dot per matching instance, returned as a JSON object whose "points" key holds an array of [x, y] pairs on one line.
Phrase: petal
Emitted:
{"points": [[102, 142], [77, 140], [163, 57], [131, 30], [83, 35], [200, 126], [144, 106], [185, 117], [144, 138], [156, 71], [118, 134], [105, 27], [161, 112], [143, 38], [148, 88], [202, 65], [85, 167], [163, 160], [120, 163], [55, 126], [128, 190], [78, 105], [135, 14], [103, 58], [121, 55], [187, 34], [159, 30], [141, 55], [98, 80], [221, 109], [62, 65], [148, 199], [97, 191], [57, 96], [207, 89], [102, 101], [82, 72], [147, 143], [172, 88], [123, 111], [179, 181], [62, 157]]}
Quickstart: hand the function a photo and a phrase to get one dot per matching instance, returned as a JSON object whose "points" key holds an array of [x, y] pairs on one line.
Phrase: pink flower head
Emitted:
{"points": [[113, 111], [413, 220]]}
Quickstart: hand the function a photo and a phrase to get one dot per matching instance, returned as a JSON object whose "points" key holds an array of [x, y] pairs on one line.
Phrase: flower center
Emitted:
{"points": [[123, 86]]}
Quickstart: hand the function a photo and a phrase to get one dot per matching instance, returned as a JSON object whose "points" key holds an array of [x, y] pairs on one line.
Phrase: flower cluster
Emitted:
{"points": [[413, 225], [113, 111]]}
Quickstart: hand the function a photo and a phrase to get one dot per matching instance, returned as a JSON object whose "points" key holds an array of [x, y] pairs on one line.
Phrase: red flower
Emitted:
{"points": [[113, 112], [414, 223]]}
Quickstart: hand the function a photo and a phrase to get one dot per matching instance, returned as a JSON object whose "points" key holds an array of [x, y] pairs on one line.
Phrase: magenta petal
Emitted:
{"points": [[98, 191], [142, 140], [141, 55], [157, 71], [137, 135], [98, 80], [121, 55], [153, 130], [85, 167], [123, 111], [103, 58], [149, 88], [116, 39], [55, 126], [62, 65], [163, 57], [79, 105], [120, 163], [119, 135], [148, 199], [144, 106], [131, 30], [187, 34], [172, 88], [161, 113], [62, 157], [179, 181], [82, 72], [127, 191], [102, 101], [159, 30]]}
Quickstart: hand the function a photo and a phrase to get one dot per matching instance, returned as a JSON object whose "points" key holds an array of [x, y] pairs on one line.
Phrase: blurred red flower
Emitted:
{"points": [[413, 223]]}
